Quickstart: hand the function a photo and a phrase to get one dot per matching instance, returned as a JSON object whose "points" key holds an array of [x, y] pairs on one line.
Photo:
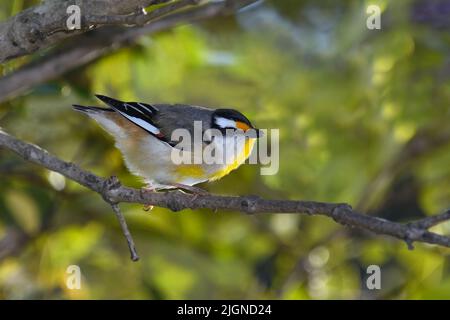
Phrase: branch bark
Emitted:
{"points": [[90, 46], [114, 192], [44, 25]]}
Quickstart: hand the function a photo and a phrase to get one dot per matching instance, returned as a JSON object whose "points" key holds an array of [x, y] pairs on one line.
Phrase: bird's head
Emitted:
{"points": [[230, 119]]}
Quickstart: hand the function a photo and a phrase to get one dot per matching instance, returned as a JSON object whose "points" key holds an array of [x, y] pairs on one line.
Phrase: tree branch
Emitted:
{"points": [[87, 47], [113, 192], [140, 17], [44, 25]]}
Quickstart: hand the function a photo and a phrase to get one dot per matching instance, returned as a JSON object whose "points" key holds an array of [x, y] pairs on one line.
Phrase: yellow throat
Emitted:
{"points": [[248, 147]]}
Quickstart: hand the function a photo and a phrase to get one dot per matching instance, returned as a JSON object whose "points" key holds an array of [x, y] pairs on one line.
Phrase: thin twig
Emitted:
{"points": [[125, 231], [432, 221]]}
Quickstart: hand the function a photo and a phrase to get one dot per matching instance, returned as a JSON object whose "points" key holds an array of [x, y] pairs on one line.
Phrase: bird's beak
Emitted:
{"points": [[259, 133]]}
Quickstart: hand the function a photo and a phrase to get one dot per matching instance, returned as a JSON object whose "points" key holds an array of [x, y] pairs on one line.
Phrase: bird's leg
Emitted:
{"points": [[148, 188]]}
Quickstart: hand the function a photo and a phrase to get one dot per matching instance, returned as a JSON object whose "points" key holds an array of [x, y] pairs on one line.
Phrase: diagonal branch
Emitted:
{"points": [[113, 192], [432, 221], [88, 47], [45, 25]]}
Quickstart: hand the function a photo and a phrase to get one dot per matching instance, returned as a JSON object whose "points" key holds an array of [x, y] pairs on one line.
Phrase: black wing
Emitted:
{"points": [[141, 114]]}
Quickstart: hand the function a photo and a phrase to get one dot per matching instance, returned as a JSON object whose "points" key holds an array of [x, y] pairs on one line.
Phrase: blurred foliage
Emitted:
{"points": [[346, 100]]}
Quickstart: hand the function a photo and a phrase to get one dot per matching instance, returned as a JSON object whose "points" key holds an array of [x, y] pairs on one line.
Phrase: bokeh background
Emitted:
{"points": [[363, 118]]}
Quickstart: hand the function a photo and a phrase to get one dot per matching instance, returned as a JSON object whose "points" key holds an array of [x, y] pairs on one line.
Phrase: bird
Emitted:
{"points": [[143, 132]]}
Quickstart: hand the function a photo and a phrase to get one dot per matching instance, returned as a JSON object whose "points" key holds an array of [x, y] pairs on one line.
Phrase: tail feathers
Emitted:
{"points": [[90, 109], [110, 101]]}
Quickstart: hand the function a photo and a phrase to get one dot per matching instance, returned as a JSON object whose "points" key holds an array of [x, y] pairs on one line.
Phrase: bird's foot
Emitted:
{"points": [[148, 207]]}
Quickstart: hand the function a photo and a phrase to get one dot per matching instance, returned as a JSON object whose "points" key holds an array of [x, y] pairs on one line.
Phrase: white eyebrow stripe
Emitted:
{"points": [[225, 123]]}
